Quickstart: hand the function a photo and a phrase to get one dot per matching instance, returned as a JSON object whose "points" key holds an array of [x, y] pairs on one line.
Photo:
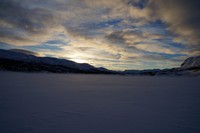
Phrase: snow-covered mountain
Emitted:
{"points": [[191, 62], [190, 67], [23, 61]]}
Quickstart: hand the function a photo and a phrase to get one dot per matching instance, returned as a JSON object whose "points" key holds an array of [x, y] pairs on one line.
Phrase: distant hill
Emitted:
{"points": [[190, 67], [22, 60], [27, 61]]}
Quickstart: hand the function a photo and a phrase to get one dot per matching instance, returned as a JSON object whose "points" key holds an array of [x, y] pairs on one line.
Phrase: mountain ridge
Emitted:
{"points": [[17, 60]]}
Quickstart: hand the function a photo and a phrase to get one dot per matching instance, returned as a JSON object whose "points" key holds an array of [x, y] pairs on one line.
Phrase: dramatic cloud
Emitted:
{"points": [[25, 51], [120, 34], [25, 25], [181, 17]]}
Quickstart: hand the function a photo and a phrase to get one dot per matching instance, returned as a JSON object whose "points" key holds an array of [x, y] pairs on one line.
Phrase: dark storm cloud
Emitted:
{"points": [[90, 28], [20, 20], [132, 37], [181, 16], [24, 51], [23, 24]]}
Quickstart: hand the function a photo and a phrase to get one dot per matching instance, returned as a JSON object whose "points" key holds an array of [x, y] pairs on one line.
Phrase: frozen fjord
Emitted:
{"points": [[73, 103]]}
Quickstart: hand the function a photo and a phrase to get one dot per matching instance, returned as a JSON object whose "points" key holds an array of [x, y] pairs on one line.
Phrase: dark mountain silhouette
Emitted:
{"points": [[27, 61], [21, 60]]}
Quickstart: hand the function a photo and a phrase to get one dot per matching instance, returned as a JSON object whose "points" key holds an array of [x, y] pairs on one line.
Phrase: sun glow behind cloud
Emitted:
{"points": [[120, 34]]}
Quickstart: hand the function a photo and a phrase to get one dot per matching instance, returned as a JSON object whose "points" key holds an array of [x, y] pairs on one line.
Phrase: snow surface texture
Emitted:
{"points": [[72, 103], [191, 62]]}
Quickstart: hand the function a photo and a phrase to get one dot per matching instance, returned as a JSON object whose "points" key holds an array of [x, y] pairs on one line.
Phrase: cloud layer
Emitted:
{"points": [[120, 34]]}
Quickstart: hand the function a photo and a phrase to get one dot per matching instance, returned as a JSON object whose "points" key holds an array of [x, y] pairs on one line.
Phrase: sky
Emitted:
{"points": [[116, 34]]}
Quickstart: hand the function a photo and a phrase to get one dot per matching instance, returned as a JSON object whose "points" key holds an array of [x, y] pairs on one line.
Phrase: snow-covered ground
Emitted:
{"points": [[72, 103]]}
